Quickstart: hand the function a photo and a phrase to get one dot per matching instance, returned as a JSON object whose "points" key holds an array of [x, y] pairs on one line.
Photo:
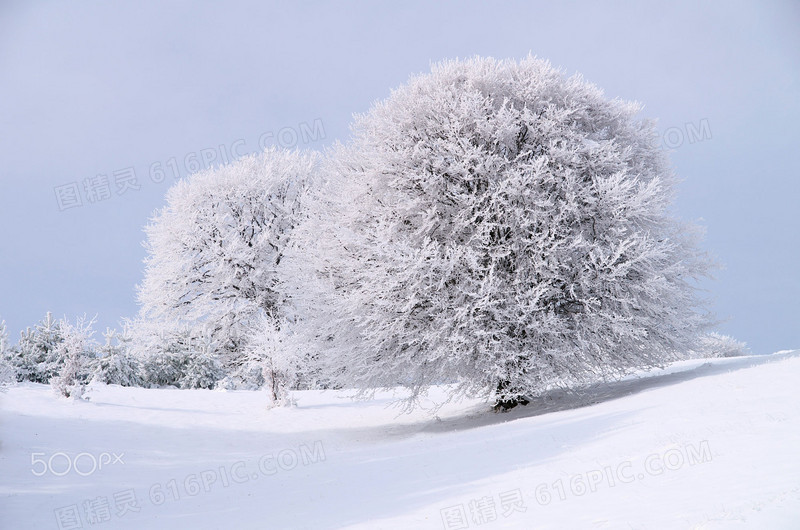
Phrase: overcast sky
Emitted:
{"points": [[143, 90]]}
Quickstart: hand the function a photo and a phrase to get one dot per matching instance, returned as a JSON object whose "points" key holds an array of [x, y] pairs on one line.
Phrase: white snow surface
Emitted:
{"points": [[704, 444]]}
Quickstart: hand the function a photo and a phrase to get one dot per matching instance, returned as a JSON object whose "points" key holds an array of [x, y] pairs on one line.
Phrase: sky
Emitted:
{"points": [[103, 103]]}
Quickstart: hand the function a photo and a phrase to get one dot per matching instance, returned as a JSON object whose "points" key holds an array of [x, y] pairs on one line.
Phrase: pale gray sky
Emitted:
{"points": [[93, 88]]}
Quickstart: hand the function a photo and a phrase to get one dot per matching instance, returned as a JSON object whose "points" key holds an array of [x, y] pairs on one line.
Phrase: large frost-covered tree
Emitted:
{"points": [[214, 249], [499, 225]]}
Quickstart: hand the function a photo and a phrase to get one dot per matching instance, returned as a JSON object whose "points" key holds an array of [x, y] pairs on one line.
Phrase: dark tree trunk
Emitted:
{"points": [[504, 405]]}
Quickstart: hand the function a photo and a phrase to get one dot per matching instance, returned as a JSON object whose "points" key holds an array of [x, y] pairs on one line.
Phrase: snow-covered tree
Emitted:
{"points": [[35, 357], [8, 374], [175, 355], [500, 225], [4, 346], [213, 251], [202, 368], [115, 364], [74, 354]]}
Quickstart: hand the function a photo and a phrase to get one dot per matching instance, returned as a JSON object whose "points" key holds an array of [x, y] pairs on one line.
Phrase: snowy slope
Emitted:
{"points": [[702, 444]]}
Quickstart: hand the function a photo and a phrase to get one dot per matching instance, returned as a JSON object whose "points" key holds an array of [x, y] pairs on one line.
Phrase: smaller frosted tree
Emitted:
{"points": [[74, 354], [215, 248]]}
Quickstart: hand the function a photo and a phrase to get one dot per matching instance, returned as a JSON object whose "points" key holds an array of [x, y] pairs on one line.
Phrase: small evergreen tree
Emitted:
{"points": [[179, 356], [35, 357], [115, 365], [8, 374], [202, 366]]}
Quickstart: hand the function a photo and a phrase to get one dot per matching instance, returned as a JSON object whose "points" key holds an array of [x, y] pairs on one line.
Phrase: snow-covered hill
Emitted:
{"points": [[702, 444]]}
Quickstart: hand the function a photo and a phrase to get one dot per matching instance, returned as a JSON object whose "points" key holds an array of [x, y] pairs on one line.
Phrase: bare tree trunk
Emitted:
{"points": [[275, 389]]}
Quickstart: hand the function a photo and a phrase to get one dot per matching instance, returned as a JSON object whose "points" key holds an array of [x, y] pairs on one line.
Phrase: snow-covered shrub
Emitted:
{"points": [[163, 369], [35, 357], [213, 251], [177, 356], [7, 372], [74, 355], [242, 375], [500, 225], [8, 375], [717, 345], [202, 369], [4, 345], [115, 364]]}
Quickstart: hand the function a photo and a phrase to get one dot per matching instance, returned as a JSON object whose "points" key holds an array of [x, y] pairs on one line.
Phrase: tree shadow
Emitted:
{"points": [[561, 400]]}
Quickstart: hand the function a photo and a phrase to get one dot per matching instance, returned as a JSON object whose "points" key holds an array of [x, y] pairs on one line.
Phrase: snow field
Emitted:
{"points": [[701, 444]]}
